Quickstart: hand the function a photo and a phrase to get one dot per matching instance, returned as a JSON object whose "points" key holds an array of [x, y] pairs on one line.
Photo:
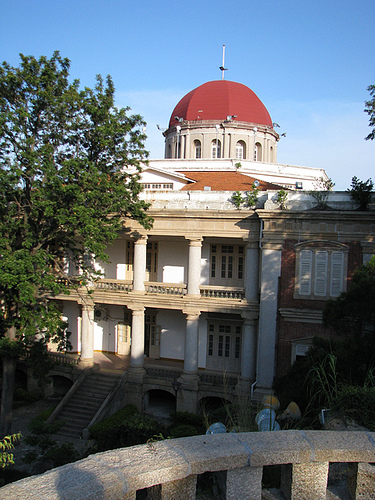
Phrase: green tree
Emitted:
{"points": [[370, 110], [361, 192], [352, 316], [69, 172]]}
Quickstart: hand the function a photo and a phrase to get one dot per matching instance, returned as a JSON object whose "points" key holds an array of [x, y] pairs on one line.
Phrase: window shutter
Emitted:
{"points": [[337, 271], [321, 262], [305, 272]]}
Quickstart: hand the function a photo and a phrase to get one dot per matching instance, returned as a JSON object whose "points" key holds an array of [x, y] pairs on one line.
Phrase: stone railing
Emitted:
{"points": [[117, 285], [169, 469], [222, 292], [62, 358], [166, 288]]}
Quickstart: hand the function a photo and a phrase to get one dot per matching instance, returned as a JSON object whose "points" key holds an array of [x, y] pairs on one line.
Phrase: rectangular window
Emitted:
{"points": [[213, 266], [320, 273], [240, 268], [321, 263], [237, 348], [227, 346], [223, 266], [210, 344], [227, 262], [337, 272], [230, 266], [220, 346]]}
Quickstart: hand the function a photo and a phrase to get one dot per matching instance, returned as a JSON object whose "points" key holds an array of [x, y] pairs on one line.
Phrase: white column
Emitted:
{"points": [[191, 342], [252, 271], [194, 267], [138, 338], [249, 349], [270, 272], [139, 265], [87, 342]]}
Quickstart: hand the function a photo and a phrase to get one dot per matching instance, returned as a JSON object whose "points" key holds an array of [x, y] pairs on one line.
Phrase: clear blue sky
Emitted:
{"points": [[309, 62]]}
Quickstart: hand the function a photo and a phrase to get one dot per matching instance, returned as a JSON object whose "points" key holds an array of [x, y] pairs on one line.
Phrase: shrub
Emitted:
{"points": [[99, 430], [357, 403], [183, 430], [125, 428]]}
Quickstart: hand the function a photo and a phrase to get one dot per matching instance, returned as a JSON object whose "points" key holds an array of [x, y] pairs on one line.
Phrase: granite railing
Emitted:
{"points": [[177, 289], [165, 288], [222, 292], [169, 469]]}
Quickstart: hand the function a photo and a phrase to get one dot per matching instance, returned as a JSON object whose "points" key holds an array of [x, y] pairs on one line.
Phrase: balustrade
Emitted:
{"points": [[169, 469]]}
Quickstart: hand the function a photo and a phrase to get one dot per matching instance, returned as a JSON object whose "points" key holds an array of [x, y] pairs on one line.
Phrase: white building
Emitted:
{"points": [[201, 289]]}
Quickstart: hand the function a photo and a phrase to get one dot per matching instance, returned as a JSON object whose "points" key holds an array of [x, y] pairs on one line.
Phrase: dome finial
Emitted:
{"points": [[222, 68]]}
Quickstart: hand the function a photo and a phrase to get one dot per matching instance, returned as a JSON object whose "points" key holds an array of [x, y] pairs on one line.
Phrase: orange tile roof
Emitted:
{"points": [[224, 181]]}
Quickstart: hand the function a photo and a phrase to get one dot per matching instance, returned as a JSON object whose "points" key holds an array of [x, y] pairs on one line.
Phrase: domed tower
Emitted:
{"points": [[221, 119]]}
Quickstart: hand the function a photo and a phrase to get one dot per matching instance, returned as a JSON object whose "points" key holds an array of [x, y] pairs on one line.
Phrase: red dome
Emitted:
{"points": [[218, 99]]}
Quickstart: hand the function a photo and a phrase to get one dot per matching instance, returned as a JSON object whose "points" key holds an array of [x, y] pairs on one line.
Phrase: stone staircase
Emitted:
{"points": [[85, 402]]}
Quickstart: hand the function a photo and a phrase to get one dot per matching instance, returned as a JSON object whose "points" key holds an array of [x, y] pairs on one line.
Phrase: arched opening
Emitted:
{"points": [[271, 155], [258, 152], [216, 149], [159, 404], [61, 385], [197, 149], [240, 150], [169, 151]]}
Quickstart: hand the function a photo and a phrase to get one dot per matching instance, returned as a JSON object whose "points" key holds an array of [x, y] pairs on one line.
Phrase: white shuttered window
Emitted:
{"points": [[321, 273]]}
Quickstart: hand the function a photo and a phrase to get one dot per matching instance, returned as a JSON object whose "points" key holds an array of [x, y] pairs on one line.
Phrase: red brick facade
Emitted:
{"points": [[289, 331]]}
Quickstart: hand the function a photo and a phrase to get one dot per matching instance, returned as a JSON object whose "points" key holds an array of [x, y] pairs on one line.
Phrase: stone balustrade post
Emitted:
{"points": [[307, 481]]}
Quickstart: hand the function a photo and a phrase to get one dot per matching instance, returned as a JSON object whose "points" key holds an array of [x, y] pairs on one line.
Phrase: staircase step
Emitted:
{"points": [[84, 404]]}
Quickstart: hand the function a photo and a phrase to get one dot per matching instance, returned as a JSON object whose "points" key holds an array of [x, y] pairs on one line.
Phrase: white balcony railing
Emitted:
{"points": [[169, 469], [177, 289]]}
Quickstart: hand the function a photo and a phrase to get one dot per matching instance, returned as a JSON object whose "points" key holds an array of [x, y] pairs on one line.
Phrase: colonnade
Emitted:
{"points": [[258, 330]]}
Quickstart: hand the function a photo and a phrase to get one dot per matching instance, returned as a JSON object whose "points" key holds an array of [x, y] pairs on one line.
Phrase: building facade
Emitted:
{"points": [[222, 291]]}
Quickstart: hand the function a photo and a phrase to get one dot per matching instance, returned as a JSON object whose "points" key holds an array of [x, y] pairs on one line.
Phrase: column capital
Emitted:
{"points": [[191, 314], [251, 244], [250, 317], [87, 304], [272, 245], [195, 241], [141, 239], [136, 309]]}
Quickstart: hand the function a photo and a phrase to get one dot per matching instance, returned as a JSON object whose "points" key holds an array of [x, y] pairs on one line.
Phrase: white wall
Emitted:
{"points": [[172, 254], [173, 325]]}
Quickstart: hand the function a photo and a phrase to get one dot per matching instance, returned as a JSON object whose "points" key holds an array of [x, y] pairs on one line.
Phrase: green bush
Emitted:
{"points": [[28, 397], [125, 428], [138, 429], [61, 455], [110, 423], [358, 404], [183, 430]]}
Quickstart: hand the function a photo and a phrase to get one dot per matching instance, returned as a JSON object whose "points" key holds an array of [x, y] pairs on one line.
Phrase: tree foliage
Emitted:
{"points": [[360, 192], [353, 312], [370, 110], [69, 171]]}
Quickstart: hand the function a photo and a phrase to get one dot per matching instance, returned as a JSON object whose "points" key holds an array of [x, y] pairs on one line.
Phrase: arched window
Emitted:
{"points": [[169, 153], [198, 149], [178, 149], [258, 152], [216, 149], [240, 150], [271, 154]]}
